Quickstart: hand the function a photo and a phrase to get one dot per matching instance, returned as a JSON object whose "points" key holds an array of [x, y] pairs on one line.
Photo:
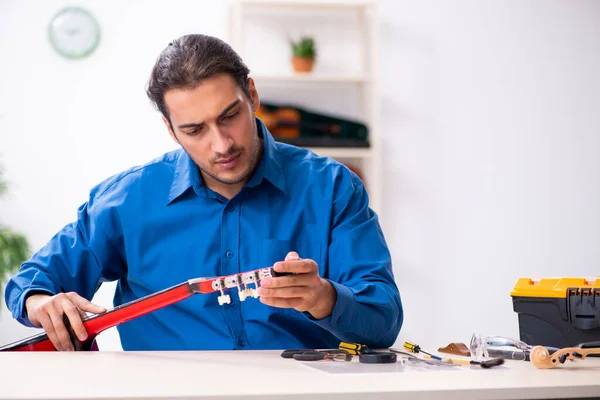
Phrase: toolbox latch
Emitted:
{"points": [[583, 305]]}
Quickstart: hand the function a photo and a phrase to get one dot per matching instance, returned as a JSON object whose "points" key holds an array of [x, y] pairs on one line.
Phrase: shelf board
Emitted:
{"points": [[347, 5], [308, 78], [342, 152]]}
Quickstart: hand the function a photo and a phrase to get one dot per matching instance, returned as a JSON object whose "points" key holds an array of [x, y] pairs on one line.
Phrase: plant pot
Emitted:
{"points": [[303, 64]]}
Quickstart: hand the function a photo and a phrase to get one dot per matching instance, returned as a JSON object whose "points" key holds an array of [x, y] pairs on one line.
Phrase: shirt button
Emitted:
{"points": [[230, 208], [241, 343], [229, 254], [339, 320]]}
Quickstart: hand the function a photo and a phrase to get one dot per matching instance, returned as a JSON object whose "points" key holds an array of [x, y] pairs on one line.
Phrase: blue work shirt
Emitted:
{"points": [[157, 225]]}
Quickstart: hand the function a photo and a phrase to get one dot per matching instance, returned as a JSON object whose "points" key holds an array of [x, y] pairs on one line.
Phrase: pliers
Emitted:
{"points": [[317, 355]]}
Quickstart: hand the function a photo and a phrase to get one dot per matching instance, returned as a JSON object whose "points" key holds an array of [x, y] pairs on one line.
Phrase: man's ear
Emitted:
{"points": [[168, 125], [253, 94]]}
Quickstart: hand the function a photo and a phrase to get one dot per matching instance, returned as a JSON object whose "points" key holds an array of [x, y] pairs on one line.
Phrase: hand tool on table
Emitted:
{"points": [[415, 348], [317, 355]]}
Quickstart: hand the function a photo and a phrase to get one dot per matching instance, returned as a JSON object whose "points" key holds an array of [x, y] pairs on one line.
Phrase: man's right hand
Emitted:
{"points": [[48, 312]]}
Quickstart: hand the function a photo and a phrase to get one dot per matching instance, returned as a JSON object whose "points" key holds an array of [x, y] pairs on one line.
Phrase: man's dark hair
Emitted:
{"points": [[189, 60]]}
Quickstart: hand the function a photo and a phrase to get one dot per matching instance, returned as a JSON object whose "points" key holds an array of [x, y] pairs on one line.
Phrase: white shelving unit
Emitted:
{"points": [[277, 21], [323, 78]]}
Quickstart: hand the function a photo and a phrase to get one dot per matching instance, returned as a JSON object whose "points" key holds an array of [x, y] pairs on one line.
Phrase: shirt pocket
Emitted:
{"points": [[274, 250]]}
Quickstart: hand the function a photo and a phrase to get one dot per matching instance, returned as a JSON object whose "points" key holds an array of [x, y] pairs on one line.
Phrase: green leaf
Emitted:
{"points": [[304, 48], [14, 248]]}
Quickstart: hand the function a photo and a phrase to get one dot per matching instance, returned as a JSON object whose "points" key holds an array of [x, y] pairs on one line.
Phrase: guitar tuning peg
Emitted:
{"points": [[251, 278], [242, 293], [219, 284], [224, 299]]}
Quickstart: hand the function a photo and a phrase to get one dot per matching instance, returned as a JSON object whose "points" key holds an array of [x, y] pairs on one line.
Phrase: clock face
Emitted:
{"points": [[74, 32]]}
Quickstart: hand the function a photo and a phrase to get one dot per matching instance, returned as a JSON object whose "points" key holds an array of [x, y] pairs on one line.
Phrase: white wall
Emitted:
{"points": [[64, 126], [489, 115], [492, 164]]}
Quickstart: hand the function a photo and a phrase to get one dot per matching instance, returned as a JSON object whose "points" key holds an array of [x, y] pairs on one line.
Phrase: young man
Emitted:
{"points": [[230, 200]]}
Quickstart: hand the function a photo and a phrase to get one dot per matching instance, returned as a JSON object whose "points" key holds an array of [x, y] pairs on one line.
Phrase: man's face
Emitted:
{"points": [[215, 125]]}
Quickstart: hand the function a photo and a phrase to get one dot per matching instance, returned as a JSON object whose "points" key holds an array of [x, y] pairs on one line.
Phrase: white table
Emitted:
{"points": [[265, 375]]}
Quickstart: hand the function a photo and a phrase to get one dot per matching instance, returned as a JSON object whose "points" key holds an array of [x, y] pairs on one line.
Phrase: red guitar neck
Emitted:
{"points": [[136, 308], [96, 324]]}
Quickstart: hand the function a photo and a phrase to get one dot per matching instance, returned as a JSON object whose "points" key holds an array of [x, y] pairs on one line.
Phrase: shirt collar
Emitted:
{"points": [[187, 174], [269, 167]]}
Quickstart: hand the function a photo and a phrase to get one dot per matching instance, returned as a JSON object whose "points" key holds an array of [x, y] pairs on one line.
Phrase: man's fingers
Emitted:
{"points": [[296, 266], [282, 303], [53, 313], [75, 319], [46, 323], [61, 331], [284, 293], [84, 304], [291, 280], [292, 256], [284, 281]]}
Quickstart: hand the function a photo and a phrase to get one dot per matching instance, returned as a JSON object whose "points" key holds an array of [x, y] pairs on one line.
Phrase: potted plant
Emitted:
{"points": [[303, 54], [14, 247]]}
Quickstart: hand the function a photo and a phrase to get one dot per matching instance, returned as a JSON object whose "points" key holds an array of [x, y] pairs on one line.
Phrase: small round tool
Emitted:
{"points": [[378, 358]]}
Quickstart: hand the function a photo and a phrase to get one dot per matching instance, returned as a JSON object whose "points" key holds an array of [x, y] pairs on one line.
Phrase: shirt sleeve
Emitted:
{"points": [[79, 257], [368, 309]]}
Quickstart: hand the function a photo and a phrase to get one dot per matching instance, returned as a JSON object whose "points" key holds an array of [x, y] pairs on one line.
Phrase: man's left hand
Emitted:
{"points": [[304, 290]]}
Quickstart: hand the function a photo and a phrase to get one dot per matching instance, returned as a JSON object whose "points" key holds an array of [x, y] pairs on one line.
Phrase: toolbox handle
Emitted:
{"points": [[583, 307]]}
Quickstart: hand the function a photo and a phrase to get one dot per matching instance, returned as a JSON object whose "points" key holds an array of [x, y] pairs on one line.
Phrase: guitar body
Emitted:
{"points": [[41, 342], [96, 324]]}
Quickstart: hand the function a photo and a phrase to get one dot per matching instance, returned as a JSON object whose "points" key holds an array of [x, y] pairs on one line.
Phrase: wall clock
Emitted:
{"points": [[74, 32]]}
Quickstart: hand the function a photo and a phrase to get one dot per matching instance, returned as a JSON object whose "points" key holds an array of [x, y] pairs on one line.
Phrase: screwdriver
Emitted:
{"points": [[353, 348], [415, 348]]}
